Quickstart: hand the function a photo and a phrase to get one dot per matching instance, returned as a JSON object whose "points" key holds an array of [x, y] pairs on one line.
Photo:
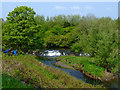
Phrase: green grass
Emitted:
{"points": [[89, 66], [29, 69], [11, 82]]}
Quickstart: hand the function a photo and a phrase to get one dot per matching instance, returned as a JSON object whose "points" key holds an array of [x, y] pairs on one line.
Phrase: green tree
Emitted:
{"points": [[99, 37], [21, 29], [40, 19], [58, 37], [73, 19]]}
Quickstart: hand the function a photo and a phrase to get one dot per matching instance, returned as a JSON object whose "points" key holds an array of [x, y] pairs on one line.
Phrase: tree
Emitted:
{"points": [[58, 37], [74, 19], [21, 28], [1, 22], [99, 37], [40, 19]]}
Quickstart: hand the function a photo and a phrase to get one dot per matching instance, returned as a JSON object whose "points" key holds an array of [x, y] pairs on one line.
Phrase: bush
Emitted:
{"points": [[98, 37]]}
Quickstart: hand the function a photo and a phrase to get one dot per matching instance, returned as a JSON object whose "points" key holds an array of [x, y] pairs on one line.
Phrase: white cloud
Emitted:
{"points": [[88, 7], [108, 9], [75, 7], [60, 7]]}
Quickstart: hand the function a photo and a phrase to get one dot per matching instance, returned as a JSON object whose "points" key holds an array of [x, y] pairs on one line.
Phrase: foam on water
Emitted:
{"points": [[60, 53], [51, 53]]}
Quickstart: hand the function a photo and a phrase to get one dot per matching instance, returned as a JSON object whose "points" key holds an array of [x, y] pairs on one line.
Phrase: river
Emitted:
{"points": [[48, 57]]}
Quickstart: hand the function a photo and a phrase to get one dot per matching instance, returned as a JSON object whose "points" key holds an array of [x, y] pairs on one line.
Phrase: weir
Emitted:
{"points": [[49, 58]]}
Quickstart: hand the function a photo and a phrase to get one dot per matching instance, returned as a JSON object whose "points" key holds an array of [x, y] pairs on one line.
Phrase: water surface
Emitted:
{"points": [[48, 57]]}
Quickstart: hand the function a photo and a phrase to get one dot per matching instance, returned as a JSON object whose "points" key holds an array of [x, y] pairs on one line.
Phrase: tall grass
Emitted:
{"points": [[11, 82], [86, 62], [30, 70]]}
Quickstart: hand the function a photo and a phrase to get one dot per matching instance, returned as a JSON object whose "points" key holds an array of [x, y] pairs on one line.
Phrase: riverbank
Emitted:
{"points": [[85, 65], [29, 69], [11, 82], [60, 64]]}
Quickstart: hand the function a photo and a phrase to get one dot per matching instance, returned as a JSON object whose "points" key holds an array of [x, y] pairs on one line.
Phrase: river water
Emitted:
{"points": [[48, 57]]}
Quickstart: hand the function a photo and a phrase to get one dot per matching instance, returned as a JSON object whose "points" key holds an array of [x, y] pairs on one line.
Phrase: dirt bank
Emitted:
{"points": [[108, 77], [63, 65]]}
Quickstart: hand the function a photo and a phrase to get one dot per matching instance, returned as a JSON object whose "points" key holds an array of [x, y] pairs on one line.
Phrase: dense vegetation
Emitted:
{"points": [[83, 63], [11, 82], [88, 34], [29, 69]]}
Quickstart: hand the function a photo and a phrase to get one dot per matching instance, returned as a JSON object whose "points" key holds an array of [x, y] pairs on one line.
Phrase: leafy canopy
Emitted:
{"points": [[20, 29]]}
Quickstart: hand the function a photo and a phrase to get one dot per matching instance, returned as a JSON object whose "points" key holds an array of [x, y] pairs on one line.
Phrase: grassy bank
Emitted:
{"points": [[30, 70], [11, 82], [83, 62]]}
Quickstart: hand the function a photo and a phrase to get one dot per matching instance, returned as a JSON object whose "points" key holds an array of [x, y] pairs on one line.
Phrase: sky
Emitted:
{"points": [[99, 9]]}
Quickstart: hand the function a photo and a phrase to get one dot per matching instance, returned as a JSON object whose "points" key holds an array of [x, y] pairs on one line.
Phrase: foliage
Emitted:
{"points": [[11, 82], [88, 66], [58, 37], [99, 37], [21, 29], [29, 69], [87, 34], [39, 19]]}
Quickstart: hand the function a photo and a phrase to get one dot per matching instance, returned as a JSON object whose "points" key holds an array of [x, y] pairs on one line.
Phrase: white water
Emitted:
{"points": [[52, 53], [75, 73], [59, 53]]}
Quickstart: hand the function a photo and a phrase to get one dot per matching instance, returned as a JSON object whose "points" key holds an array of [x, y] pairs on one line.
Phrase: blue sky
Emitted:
{"points": [[99, 9]]}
